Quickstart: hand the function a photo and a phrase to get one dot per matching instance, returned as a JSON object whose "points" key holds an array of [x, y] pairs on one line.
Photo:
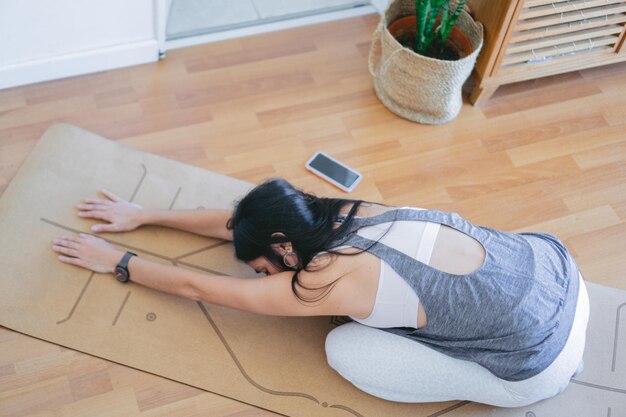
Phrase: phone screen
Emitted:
{"points": [[332, 169]]}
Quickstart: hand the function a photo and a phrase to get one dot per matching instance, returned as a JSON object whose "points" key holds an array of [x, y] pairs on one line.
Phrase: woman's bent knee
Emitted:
{"points": [[339, 345], [336, 343]]}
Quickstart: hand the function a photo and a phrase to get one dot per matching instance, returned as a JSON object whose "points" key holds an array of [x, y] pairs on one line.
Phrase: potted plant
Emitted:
{"points": [[422, 53]]}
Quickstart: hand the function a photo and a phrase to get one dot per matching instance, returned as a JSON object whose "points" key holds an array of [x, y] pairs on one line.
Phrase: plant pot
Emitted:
{"points": [[406, 27], [417, 87]]}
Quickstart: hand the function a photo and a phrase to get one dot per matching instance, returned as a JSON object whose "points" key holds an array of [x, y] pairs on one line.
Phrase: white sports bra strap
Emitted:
{"points": [[396, 303]]}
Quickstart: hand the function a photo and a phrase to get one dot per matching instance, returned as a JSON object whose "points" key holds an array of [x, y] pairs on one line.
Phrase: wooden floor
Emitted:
{"points": [[541, 155]]}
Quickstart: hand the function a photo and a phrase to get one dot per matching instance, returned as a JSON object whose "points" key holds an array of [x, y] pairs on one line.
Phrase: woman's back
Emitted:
{"points": [[511, 313], [451, 251]]}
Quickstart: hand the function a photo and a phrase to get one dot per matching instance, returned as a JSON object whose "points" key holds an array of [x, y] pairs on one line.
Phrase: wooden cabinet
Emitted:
{"points": [[528, 39]]}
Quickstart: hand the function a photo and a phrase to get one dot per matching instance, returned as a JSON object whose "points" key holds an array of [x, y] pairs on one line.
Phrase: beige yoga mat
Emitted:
{"points": [[272, 362]]}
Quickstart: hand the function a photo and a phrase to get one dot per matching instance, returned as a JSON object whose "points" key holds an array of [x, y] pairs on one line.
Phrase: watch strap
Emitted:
{"points": [[123, 263], [124, 274]]}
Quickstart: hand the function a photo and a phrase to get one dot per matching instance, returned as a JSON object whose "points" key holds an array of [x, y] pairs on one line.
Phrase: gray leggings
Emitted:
{"points": [[398, 369]]}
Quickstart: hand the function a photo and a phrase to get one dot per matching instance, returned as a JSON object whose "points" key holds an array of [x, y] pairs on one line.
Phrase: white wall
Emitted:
{"points": [[47, 39], [381, 5]]}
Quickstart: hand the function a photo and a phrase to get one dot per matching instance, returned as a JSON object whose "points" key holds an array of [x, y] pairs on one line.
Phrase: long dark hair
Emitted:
{"points": [[305, 220]]}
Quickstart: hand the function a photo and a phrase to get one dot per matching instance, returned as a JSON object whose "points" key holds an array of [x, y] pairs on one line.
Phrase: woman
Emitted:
{"points": [[499, 318]]}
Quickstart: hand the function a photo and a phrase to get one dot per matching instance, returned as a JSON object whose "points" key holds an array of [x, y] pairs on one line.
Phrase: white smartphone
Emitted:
{"points": [[333, 171]]}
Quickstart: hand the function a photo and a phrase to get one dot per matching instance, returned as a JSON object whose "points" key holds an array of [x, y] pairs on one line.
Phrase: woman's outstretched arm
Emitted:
{"points": [[205, 222], [123, 216], [270, 295]]}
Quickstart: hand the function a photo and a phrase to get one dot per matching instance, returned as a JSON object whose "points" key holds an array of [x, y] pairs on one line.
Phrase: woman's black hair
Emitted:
{"points": [[305, 220]]}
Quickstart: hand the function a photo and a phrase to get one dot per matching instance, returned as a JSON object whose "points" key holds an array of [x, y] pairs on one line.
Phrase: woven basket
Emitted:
{"points": [[417, 87]]}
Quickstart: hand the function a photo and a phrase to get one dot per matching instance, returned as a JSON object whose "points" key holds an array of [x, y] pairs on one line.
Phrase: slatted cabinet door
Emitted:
{"points": [[547, 37], [559, 34]]}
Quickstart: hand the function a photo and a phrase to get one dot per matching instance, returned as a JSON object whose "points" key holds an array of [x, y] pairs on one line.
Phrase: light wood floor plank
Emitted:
{"points": [[565, 145]]}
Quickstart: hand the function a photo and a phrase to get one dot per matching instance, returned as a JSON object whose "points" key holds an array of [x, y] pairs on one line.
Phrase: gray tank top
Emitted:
{"points": [[512, 315]]}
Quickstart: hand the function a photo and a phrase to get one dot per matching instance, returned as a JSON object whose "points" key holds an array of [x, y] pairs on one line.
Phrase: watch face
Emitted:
{"points": [[121, 274]]}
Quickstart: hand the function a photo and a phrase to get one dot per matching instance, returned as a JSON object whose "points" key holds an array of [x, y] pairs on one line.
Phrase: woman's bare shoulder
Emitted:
{"points": [[349, 280]]}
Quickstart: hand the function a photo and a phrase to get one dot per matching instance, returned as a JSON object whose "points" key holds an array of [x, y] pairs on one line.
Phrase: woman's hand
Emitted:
{"points": [[88, 251], [121, 215]]}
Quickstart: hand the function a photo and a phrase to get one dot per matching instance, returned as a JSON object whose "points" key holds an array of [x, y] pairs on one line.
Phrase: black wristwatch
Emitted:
{"points": [[121, 270]]}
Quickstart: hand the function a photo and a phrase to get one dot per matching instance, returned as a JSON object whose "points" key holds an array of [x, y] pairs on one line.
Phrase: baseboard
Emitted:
{"points": [[79, 63]]}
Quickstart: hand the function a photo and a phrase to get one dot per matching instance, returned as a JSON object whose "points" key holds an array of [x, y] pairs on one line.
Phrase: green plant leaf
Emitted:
{"points": [[445, 15], [433, 8], [452, 20], [426, 13], [421, 13]]}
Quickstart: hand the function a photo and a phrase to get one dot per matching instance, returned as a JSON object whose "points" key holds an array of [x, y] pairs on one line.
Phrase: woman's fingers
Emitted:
{"points": [[111, 227], [71, 242], [94, 215], [65, 251], [122, 215], [93, 206], [110, 199], [87, 251], [67, 240], [111, 196], [98, 201], [67, 246], [73, 261]]}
